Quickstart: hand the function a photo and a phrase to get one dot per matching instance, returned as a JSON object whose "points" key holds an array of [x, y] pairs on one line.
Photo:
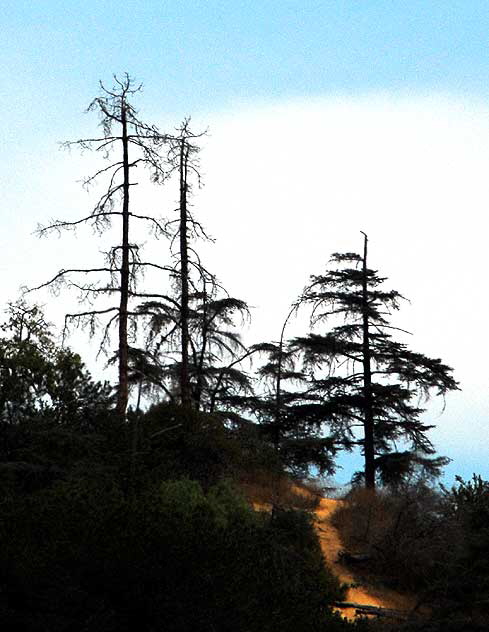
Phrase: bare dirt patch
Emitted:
{"points": [[362, 591]]}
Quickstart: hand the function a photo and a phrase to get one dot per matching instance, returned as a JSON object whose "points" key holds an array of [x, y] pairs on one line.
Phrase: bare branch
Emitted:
{"points": [[62, 273], [161, 228], [58, 224]]}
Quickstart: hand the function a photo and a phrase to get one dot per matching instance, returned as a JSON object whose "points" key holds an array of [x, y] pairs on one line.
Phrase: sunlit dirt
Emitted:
{"points": [[363, 592]]}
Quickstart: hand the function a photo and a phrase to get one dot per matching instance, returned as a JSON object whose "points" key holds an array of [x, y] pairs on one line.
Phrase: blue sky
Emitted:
{"points": [[389, 100], [195, 55], [199, 56]]}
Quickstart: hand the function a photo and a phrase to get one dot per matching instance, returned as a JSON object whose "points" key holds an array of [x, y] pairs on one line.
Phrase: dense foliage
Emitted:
{"points": [[85, 557], [99, 535]]}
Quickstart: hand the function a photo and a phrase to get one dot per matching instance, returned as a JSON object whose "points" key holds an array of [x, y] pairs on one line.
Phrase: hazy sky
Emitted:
{"points": [[326, 118]]}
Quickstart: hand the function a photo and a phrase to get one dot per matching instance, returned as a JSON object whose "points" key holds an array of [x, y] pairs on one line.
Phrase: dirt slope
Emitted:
{"points": [[300, 497], [363, 593]]}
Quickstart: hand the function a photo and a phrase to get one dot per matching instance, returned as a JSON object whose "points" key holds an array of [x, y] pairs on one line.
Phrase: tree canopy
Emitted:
{"points": [[362, 376]]}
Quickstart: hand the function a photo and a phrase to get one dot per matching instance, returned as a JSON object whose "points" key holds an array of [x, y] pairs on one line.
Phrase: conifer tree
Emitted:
{"points": [[364, 378], [215, 350], [286, 413], [192, 336]]}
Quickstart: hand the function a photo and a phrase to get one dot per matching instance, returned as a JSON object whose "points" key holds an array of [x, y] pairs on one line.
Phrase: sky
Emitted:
{"points": [[325, 118]]}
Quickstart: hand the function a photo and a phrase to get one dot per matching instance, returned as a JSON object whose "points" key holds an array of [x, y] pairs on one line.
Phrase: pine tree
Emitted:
{"points": [[363, 377], [215, 349]]}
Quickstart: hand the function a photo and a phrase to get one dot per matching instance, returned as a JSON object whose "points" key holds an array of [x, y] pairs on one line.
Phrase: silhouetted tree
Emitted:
{"points": [[286, 414], [185, 152], [192, 333], [215, 349], [362, 376], [136, 143]]}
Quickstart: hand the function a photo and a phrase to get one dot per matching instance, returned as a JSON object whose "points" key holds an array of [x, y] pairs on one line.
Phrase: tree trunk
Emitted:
{"points": [[277, 422], [135, 440], [368, 417], [184, 306], [278, 385], [123, 390], [199, 387]]}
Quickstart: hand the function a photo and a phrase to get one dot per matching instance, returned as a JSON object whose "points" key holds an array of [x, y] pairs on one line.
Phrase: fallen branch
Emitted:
{"points": [[353, 558], [372, 610]]}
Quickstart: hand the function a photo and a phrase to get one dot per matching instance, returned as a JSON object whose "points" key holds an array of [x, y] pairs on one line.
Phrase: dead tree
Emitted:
{"points": [[194, 331], [133, 144], [184, 152]]}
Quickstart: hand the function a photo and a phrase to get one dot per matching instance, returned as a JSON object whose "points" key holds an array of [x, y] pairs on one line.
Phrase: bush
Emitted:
{"points": [[433, 544], [81, 556], [174, 442], [467, 505], [406, 532]]}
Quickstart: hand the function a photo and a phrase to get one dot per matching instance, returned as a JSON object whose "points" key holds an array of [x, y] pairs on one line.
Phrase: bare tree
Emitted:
{"points": [[185, 151], [134, 144]]}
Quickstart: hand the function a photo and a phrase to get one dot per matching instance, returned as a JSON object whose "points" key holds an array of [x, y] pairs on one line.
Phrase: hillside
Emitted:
{"points": [[362, 591], [363, 588]]}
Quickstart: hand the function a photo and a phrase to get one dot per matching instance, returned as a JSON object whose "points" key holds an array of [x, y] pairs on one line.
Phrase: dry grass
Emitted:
{"points": [[364, 518], [402, 532], [262, 489]]}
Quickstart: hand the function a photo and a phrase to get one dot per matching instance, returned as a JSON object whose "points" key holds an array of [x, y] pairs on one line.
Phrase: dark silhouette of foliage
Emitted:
{"points": [[468, 584], [283, 411], [192, 342], [41, 380], [85, 558], [362, 377], [173, 443], [215, 350]]}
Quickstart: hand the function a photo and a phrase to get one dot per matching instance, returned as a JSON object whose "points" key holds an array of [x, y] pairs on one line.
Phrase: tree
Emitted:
{"points": [[215, 349], [41, 380], [192, 331], [139, 144], [362, 376], [287, 415], [26, 350]]}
